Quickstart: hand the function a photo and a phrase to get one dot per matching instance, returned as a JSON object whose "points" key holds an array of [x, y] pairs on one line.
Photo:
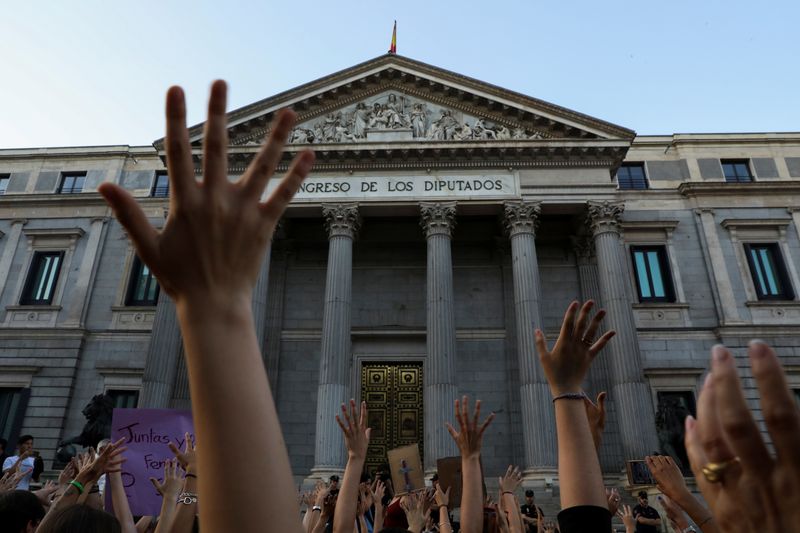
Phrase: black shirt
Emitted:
{"points": [[530, 512], [584, 519], [647, 512]]}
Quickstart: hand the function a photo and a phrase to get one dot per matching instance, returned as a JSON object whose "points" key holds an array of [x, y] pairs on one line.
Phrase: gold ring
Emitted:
{"points": [[587, 342], [714, 472]]}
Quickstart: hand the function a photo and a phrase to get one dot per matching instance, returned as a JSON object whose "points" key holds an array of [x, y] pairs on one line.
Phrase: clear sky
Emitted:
{"points": [[93, 72]]}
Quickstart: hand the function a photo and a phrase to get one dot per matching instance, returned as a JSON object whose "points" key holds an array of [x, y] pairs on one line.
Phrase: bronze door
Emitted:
{"points": [[393, 392]]}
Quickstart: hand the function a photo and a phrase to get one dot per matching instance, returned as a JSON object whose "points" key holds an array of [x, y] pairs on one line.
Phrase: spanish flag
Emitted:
{"points": [[393, 46]]}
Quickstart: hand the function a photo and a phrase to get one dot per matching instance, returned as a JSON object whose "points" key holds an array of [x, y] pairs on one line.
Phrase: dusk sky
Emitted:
{"points": [[90, 72]]}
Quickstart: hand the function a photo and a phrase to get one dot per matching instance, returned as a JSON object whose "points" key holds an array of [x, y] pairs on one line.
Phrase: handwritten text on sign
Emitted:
{"points": [[147, 433], [318, 188]]}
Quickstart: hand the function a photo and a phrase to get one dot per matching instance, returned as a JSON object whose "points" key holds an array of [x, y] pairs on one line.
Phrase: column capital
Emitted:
{"points": [[604, 216], [341, 220], [521, 217], [438, 218]]}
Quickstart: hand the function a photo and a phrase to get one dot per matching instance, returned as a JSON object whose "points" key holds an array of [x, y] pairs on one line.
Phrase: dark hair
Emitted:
{"points": [[4, 443], [394, 530], [643, 494], [529, 492], [18, 508], [81, 519], [23, 439]]}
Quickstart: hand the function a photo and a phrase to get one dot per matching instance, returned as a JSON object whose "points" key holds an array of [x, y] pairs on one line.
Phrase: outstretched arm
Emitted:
{"points": [[207, 258], [356, 438], [565, 367], [468, 439]]}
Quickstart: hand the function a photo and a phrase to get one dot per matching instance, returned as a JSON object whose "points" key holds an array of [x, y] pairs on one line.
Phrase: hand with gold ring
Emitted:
{"points": [[728, 455]]}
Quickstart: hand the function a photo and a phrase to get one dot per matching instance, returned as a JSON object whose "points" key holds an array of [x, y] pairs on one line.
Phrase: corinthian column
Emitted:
{"points": [[538, 420], [438, 221], [629, 389], [342, 222]]}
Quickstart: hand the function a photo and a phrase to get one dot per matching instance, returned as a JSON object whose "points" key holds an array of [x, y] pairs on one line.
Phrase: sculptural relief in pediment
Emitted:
{"points": [[396, 117]]}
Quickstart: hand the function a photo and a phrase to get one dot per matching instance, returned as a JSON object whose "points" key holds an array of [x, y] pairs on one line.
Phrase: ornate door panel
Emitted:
{"points": [[393, 392]]}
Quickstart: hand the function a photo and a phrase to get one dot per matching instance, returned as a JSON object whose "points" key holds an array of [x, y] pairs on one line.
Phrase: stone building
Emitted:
{"points": [[446, 220]]}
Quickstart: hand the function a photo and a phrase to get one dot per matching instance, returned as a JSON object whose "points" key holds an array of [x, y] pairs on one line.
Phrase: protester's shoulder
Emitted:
{"points": [[9, 462]]}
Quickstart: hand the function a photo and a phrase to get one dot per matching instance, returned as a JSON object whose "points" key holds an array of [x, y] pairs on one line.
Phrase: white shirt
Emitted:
{"points": [[27, 467]]}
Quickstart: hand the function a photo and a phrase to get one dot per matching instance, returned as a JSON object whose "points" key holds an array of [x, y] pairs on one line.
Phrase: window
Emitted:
{"points": [[768, 271], [673, 408], [42, 278], [13, 402], [124, 399], [72, 183], [653, 280], [4, 179], [631, 176], [736, 170], [160, 186], [143, 286]]}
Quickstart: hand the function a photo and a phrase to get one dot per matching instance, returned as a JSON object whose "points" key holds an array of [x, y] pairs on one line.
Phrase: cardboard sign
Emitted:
{"points": [[639, 473], [449, 470], [406, 466], [147, 433]]}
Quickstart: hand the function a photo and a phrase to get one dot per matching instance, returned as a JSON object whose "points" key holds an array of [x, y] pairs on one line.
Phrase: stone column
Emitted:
{"points": [[727, 310], [342, 222], [9, 250], [163, 352], [76, 310], [538, 417], [629, 388], [438, 221]]}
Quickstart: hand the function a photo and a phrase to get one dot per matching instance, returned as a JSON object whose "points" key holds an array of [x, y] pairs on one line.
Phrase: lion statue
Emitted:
{"points": [[98, 427]]}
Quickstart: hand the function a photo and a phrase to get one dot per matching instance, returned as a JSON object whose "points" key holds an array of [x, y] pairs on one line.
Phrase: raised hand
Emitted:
{"points": [[356, 430], [613, 500], [173, 481], [440, 498], [565, 366], [668, 476], [596, 413], [417, 512], [675, 515], [502, 519], [377, 494], [511, 480], [216, 233], [470, 434], [728, 456], [10, 480], [187, 457], [627, 518]]}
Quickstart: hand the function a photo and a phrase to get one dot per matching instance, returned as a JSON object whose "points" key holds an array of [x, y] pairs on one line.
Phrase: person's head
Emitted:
{"points": [[25, 444], [3, 446], [435, 480], [81, 519], [20, 511], [642, 498], [333, 482], [529, 498]]}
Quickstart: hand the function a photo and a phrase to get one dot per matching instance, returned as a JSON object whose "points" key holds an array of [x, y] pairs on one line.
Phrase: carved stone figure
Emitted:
{"points": [[98, 427], [391, 112], [419, 120], [360, 120]]}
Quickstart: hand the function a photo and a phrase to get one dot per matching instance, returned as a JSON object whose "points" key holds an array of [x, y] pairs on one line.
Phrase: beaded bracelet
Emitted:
{"points": [[570, 396]]}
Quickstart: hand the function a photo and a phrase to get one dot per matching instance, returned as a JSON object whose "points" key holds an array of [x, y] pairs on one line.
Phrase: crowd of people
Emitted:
{"points": [[207, 258]]}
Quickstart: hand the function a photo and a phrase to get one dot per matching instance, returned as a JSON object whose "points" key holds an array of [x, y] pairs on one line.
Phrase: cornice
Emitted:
{"points": [[755, 222], [695, 189]]}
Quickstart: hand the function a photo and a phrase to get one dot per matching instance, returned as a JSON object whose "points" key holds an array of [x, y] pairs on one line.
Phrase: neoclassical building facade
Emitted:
{"points": [[446, 220]]}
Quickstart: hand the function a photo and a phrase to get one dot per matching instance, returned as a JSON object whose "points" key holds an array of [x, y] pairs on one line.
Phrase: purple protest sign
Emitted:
{"points": [[147, 433]]}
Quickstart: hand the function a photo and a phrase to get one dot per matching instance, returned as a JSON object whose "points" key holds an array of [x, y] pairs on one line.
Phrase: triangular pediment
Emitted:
{"points": [[394, 99]]}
